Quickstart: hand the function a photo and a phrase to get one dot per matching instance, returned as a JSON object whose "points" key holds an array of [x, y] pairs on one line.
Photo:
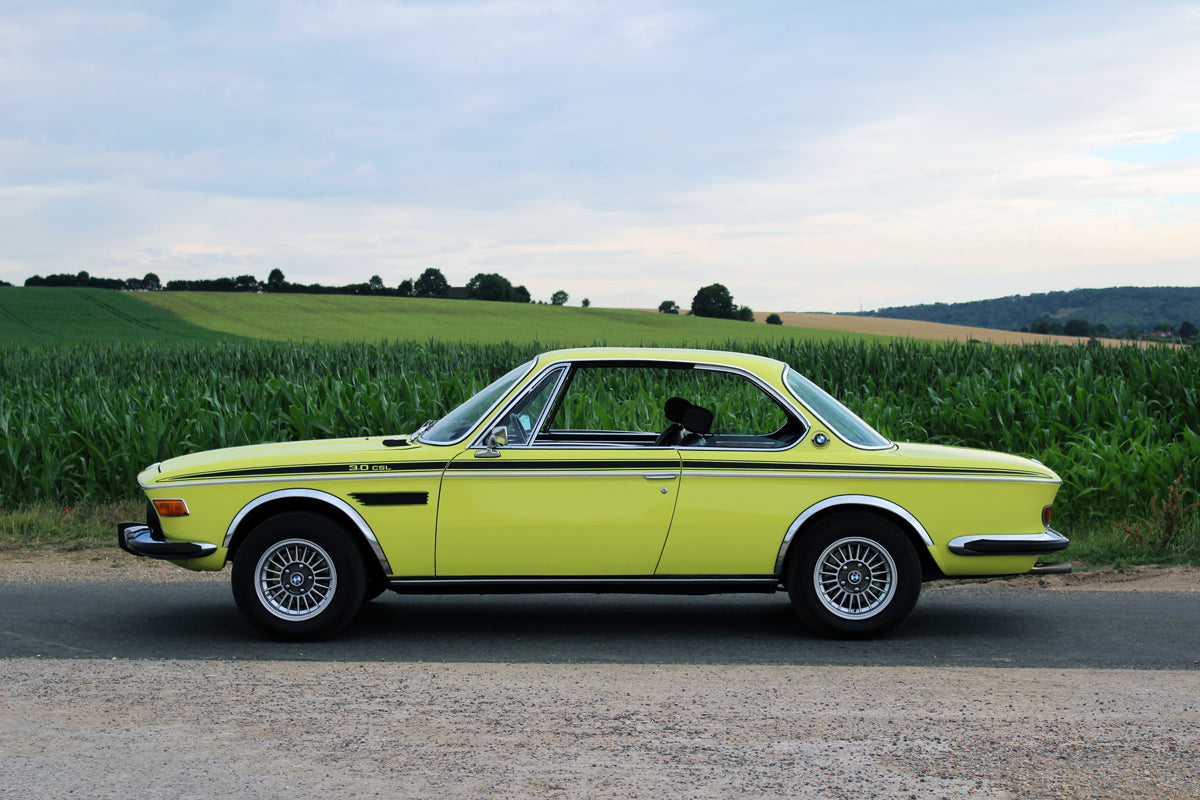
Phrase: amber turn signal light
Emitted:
{"points": [[1046, 516], [171, 507]]}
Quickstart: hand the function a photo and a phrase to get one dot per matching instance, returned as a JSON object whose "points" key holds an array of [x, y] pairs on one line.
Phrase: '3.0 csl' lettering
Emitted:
{"points": [[369, 467]]}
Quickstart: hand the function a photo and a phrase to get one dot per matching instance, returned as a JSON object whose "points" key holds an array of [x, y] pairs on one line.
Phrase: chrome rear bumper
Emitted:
{"points": [[1017, 544]]}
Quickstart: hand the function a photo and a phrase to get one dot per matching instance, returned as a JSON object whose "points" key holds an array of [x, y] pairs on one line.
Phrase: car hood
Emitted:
{"points": [[317, 457]]}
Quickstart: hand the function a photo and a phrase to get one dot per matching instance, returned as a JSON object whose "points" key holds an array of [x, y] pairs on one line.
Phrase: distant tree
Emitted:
{"points": [[1046, 325], [375, 284], [245, 283], [559, 298], [745, 314], [432, 283], [521, 295], [1077, 327], [1164, 328], [5, 283], [714, 301], [774, 319], [35, 280], [276, 281], [586, 302], [405, 289], [668, 307], [151, 283], [489, 286], [1187, 330]]}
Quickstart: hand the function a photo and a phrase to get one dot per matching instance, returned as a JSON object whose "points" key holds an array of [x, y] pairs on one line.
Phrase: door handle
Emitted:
{"points": [[660, 476]]}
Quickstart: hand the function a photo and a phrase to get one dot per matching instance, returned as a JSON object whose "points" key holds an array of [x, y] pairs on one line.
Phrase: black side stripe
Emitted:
{"points": [[392, 498], [359, 468]]}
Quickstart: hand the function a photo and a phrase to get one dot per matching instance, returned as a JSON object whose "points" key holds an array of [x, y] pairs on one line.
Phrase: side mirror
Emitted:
{"points": [[497, 438]]}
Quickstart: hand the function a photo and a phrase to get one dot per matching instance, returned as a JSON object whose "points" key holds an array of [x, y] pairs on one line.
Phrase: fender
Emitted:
{"points": [[322, 497], [849, 500]]}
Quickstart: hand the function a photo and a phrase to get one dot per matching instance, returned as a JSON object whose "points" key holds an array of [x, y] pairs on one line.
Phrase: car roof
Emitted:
{"points": [[684, 355]]}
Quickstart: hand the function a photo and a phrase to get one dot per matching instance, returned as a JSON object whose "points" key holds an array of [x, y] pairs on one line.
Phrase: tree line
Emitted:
{"points": [[713, 301], [431, 284]]}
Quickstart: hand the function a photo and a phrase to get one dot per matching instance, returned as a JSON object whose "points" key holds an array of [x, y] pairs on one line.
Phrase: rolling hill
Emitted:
{"points": [[1119, 308], [63, 315]]}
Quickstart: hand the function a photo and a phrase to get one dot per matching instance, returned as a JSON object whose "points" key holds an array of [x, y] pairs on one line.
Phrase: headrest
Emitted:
{"points": [[697, 419], [674, 408]]}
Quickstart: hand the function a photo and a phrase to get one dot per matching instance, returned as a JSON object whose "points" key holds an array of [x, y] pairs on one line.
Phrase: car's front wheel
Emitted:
{"points": [[298, 575], [856, 575]]}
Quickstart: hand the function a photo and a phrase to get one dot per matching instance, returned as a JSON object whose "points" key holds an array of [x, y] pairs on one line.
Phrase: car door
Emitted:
{"points": [[578, 489], [739, 491]]}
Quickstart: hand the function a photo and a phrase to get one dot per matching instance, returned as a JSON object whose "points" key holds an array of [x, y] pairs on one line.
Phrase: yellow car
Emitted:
{"points": [[605, 470]]}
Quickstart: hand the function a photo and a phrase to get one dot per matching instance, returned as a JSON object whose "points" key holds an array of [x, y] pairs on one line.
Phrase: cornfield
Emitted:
{"points": [[79, 422]]}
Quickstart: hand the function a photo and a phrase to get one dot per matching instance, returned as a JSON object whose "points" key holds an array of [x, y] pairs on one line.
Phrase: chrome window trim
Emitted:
{"points": [[563, 368], [486, 414], [312, 494], [787, 406], [847, 500], [889, 444]]}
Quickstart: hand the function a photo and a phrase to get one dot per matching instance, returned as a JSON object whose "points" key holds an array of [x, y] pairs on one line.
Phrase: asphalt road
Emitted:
{"points": [[961, 626]]}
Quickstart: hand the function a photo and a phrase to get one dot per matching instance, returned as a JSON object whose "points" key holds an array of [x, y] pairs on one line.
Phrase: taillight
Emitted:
{"points": [[1046, 516]]}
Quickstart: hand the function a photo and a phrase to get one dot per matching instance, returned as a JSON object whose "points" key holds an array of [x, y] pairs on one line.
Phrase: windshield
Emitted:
{"points": [[841, 420], [459, 422]]}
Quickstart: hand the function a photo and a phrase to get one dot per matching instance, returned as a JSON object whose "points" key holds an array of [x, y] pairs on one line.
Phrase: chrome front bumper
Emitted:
{"points": [[142, 540], [1017, 544]]}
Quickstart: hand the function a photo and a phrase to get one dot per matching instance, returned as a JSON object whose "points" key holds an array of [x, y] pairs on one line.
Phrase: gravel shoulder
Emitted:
{"points": [[403, 729]]}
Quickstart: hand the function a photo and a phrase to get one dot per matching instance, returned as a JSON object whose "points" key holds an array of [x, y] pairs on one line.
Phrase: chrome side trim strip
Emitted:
{"points": [[848, 500], [541, 474], [324, 497], [868, 476]]}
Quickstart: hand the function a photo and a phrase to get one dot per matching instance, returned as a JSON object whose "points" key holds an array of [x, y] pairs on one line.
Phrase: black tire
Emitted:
{"points": [[855, 575], [377, 584], [298, 575]]}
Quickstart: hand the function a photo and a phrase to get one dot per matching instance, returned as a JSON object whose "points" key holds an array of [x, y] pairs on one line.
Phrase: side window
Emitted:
{"points": [[743, 414], [609, 404], [525, 417], [625, 399]]}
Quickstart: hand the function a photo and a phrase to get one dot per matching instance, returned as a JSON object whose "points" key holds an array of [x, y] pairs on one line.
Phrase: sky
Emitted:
{"points": [[810, 156]]}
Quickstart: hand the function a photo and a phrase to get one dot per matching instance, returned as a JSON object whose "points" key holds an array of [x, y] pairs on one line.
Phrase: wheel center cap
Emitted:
{"points": [[853, 578], [297, 579]]}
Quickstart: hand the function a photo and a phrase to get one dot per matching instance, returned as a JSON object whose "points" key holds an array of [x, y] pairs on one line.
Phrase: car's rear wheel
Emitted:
{"points": [[298, 575], [856, 575]]}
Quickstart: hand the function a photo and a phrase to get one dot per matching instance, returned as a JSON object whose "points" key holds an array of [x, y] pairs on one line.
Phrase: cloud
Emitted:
{"points": [[809, 156]]}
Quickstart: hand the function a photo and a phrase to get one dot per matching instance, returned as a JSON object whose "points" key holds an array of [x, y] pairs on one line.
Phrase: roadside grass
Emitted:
{"points": [[1109, 546], [350, 318], [46, 528]]}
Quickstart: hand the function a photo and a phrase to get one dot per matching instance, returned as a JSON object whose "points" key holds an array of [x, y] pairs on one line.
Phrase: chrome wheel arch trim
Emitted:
{"points": [[850, 501], [323, 497]]}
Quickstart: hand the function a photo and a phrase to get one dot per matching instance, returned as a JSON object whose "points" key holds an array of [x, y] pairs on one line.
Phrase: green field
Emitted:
{"points": [[61, 315], [348, 318]]}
